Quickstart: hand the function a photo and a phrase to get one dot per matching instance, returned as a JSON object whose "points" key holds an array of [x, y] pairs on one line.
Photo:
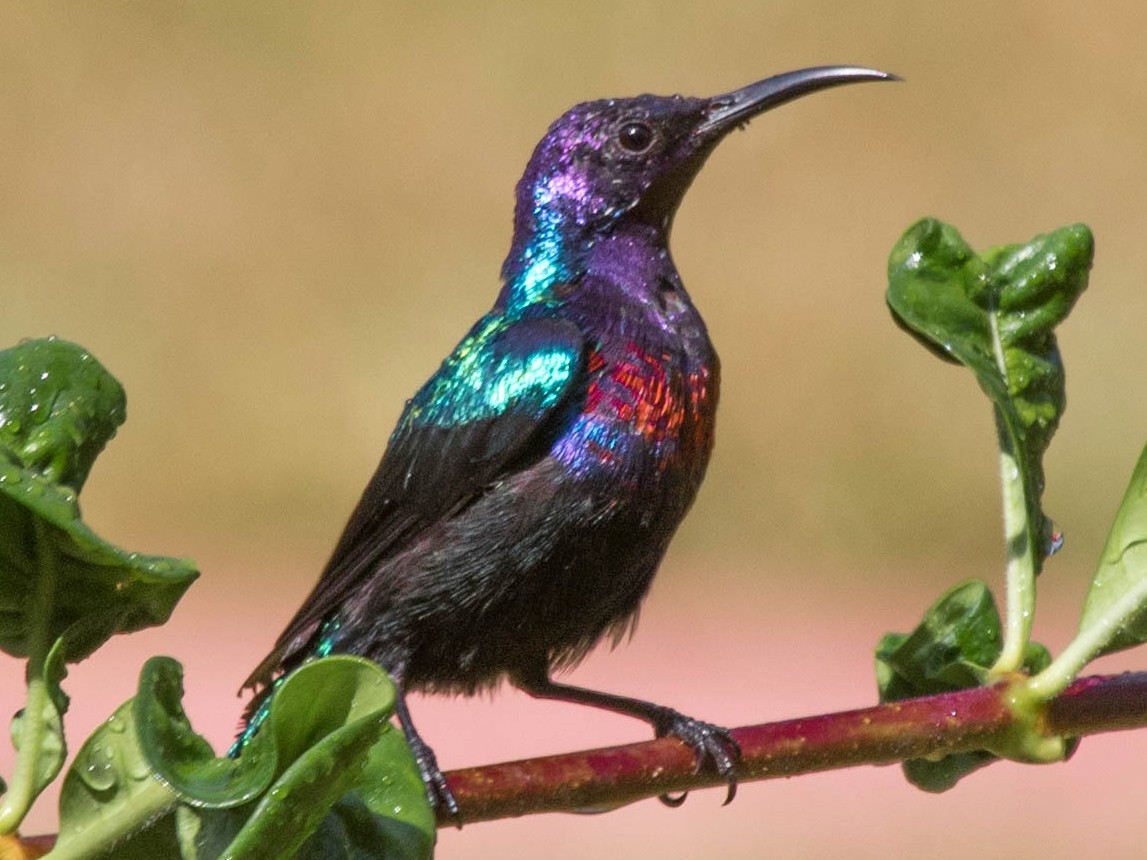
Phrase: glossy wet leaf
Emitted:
{"points": [[182, 759], [391, 785], [110, 796], [343, 777], [387, 816], [393, 790], [324, 696], [1116, 603], [953, 648], [996, 313], [300, 799], [58, 408], [102, 589]]}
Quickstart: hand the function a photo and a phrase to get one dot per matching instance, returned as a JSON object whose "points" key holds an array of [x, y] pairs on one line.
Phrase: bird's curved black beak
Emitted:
{"points": [[728, 111]]}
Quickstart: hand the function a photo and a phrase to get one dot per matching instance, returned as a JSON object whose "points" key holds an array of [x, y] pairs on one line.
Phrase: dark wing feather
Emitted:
{"points": [[489, 409]]}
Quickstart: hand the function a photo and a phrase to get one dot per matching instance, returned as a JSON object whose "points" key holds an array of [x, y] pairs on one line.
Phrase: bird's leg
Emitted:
{"points": [[713, 746], [439, 793]]}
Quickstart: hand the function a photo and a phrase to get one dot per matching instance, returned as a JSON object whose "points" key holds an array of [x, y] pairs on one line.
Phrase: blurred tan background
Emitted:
{"points": [[271, 221]]}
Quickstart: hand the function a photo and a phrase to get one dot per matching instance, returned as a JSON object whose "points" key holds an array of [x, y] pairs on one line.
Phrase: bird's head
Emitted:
{"points": [[634, 158]]}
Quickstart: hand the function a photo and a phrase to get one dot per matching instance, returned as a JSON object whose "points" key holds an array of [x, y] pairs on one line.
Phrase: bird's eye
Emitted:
{"points": [[635, 137]]}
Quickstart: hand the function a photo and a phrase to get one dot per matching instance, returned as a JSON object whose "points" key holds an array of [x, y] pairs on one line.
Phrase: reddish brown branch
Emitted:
{"points": [[953, 722], [607, 778]]}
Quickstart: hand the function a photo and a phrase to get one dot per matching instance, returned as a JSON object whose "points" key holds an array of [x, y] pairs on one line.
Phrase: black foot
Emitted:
{"points": [[713, 746], [437, 791], [441, 798]]}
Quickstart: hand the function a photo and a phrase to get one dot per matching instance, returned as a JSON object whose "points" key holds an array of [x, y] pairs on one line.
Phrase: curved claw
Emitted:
{"points": [[714, 746]]}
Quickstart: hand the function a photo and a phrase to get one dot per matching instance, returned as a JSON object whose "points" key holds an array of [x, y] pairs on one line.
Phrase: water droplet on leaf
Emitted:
{"points": [[98, 773], [138, 770]]}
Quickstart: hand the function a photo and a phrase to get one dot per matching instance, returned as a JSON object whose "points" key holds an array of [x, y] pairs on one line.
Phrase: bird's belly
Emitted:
{"points": [[536, 572]]}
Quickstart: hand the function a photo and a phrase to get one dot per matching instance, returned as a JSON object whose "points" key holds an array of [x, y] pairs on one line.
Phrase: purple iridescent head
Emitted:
{"points": [[635, 158]]}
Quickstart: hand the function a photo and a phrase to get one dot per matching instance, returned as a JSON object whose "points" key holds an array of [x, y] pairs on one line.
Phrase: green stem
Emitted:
{"points": [[1020, 575], [1087, 644], [23, 788]]}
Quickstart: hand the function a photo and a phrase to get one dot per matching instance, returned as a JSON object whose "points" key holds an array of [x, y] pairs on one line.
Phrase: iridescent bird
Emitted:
{"points": [[533, 484]]}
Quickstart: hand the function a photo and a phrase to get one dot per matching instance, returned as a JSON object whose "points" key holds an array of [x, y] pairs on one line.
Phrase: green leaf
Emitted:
{"points": [[110, 798], [345, 782], [326, 776], [393, 791], [351, 831], [953, 648], [183, 760], [391, 787], [1115, 610], [995, 313], [324, 696], [939, 775], [58, 408], [301, 798], [102, 590]]}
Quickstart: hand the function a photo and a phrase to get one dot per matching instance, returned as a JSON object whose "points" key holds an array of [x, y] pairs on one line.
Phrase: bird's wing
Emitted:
{"points": [[491, 408]]}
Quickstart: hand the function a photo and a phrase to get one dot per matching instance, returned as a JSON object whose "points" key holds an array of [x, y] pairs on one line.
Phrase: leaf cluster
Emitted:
{"points": [[326, 776], [995, 313]]}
